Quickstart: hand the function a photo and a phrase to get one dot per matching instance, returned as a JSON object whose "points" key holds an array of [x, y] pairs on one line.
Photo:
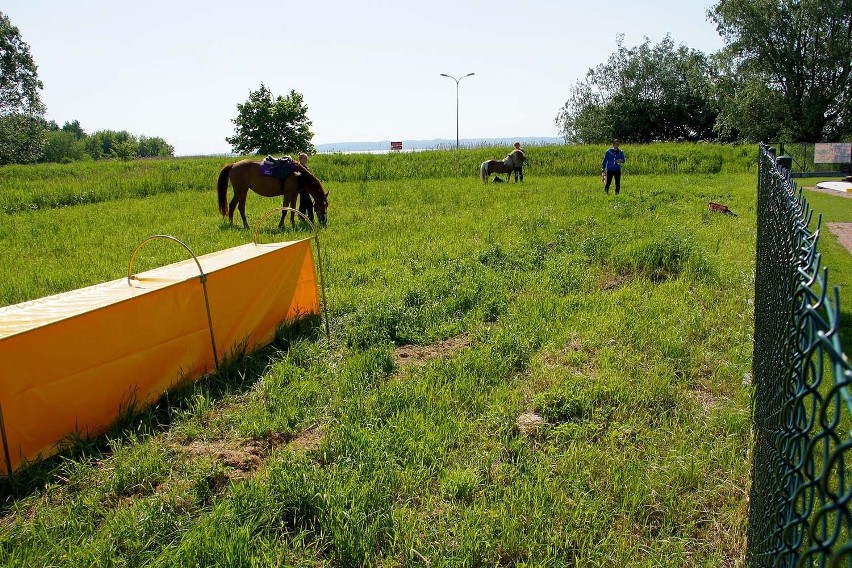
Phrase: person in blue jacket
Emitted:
{"points": [[611, 165]]}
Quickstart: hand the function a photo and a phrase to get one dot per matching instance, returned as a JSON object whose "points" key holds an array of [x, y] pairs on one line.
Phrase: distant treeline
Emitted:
{"points": [[70, 143], [57, 185]]}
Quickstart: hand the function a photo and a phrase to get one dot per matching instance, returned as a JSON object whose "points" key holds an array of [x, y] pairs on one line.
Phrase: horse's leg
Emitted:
{"points": [[284, 205], [284, 185], [293, 214], [233, 205], [287, 202], [242, 207], [292, 205]]}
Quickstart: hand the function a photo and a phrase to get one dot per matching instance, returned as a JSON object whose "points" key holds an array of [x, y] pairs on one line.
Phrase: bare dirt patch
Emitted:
{"points": [[613, 281], [308, 439], [419, 355], [244, 456], [529, 423], [706, 399]]}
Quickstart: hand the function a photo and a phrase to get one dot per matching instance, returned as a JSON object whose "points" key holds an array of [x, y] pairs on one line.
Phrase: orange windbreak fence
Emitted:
{"points": [[71, 363]]}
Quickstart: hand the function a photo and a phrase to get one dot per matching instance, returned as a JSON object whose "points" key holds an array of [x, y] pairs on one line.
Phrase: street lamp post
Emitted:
{"points": [[457, 101]]}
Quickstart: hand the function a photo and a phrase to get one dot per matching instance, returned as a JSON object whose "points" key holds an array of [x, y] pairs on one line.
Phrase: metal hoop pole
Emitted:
{"points": [[202, 277], [5, 444], [319, 255]]}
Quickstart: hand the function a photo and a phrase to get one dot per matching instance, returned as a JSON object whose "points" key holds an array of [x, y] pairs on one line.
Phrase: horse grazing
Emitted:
{"points": [[514, 162], [246, 174]]}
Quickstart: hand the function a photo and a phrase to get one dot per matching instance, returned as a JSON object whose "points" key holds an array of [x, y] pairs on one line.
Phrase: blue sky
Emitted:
{"points": [[368, 70]]}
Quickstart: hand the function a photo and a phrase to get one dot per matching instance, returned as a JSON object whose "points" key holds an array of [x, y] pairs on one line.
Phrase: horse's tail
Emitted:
{"points": [[223, 189], [483, 171]]}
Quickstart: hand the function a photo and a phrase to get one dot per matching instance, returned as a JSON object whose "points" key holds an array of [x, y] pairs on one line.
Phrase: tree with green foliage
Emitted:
{"points": [[103, 143], [71, 144], [22, 125], [786, 68], [125, 150], [75, 129], [267, 126], [154, 147], [644, 93], [63, 147], [21, 138]]}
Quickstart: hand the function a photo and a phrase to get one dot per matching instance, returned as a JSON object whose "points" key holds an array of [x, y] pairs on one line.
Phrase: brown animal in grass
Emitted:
{"points": [[719, 208], [245, 175]]}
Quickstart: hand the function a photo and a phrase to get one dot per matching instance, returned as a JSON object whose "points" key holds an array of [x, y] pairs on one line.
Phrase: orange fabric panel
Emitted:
{"points": [[71, 362]]}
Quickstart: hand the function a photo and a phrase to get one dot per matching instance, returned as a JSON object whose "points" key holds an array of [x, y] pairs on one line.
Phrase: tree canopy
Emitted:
{"points": [[786, 68], [267, 126], [71, 143], [645, 93], [19, 82], [22, 124]]}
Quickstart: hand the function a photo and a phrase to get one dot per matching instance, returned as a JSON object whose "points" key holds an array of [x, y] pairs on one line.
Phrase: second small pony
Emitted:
{"points": [[509, 164]]}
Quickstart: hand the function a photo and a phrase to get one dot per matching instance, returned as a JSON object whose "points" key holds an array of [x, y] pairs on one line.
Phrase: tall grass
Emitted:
{"points": [[53, 185], [46, 186], [624, 324]]}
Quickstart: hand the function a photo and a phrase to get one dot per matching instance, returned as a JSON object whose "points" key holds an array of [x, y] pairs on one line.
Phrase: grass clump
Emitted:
{"points": [[660, 258]]}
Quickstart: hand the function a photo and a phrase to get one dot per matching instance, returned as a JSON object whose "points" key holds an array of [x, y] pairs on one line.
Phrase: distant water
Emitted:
{"points": [[383, 146], [385, 151]]}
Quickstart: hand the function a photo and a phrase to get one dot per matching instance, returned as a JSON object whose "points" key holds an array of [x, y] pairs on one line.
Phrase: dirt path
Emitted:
{"points": [[843, 232], [847, 194]]}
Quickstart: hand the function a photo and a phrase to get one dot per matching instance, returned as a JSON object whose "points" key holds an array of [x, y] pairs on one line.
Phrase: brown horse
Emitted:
{"points": [[515, 160], [245, 175]]}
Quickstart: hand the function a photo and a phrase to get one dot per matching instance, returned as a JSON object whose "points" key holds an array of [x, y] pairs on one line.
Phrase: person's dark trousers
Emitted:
{"points": [[610, 174], [519, 173], [306, 205]]}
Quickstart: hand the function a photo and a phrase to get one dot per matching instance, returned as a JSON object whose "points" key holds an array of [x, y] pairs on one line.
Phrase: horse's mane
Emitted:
{"points": [[306, 178], [516, 158]]}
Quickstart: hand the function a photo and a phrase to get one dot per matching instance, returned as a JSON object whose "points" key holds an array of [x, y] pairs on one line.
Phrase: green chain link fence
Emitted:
{"points": [[801, 485]]}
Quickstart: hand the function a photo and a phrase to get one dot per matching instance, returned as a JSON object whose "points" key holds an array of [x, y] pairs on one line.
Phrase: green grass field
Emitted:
{"points": [[532, 374]]}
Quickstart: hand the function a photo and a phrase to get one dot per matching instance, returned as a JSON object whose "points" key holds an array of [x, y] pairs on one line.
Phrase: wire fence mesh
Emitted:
{"points": [[801, 491]]}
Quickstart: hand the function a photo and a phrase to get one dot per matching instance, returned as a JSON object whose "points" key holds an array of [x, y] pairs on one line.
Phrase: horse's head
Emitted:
{"points": [[313, 185], [321, 206]]}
